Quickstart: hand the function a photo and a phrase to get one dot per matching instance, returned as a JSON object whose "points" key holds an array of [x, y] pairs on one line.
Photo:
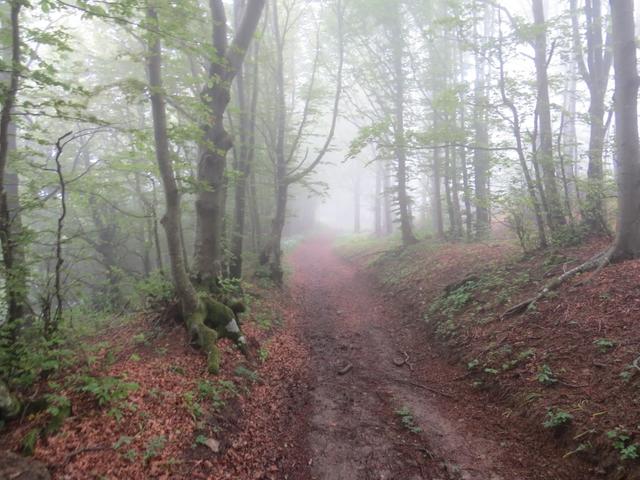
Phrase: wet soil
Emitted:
{"points": [[384, 404]]}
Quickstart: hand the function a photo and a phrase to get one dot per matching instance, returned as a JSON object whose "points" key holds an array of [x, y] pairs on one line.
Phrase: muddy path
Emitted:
{"points": [[356, 337]]}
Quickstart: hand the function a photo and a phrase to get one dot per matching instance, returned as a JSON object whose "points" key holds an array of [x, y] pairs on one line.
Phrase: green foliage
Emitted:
{"points": [[155, 446], [154, 290], [29, 441], [263, 354], [107, 390], [473, 364], [193, 406], [622, 442], [628, 373], [31, 356], [201, 440], [122, 441], [546, 376], [244, 372], [567, 236], [604, 344], [557, 418], [406, 418], [454, 300], [59, 408]]}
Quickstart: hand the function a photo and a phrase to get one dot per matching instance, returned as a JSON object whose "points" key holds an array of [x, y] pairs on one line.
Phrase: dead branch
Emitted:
{"points": [[597, 262], [346, 369], [70, 456], [424, 387]]}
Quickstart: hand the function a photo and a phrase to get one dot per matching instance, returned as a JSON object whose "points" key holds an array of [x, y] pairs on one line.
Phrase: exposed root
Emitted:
{"points": [[597, 262], [79, 451], [635, 363], [399, 362], [424, 387], [346, 369], [211, 321]]}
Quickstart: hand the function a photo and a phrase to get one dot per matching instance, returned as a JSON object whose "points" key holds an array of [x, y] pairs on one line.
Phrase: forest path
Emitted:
{"points": [[354, 430]]}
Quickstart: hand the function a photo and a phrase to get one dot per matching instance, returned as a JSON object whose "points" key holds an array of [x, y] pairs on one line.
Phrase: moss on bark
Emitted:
{"points": [[213, 320]]}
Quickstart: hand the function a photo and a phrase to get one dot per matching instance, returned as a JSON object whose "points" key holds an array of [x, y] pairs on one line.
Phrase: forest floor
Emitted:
{"points": [[369, 371]]}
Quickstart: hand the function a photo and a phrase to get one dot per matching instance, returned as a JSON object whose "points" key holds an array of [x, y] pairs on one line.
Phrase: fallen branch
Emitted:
{"points": [[70, 456], [635, 363], [399, 362], [597, 262], [424, 387], [346, 369]]}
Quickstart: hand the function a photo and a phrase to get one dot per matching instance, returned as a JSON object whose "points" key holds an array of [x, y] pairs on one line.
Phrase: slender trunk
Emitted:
{"points": [[171, 220], [627, 242], [245, 161], [481, 164], [256, 227], [517, 133], [356, 204], [436, 196], [386, 194], [377, 206], [12, 254], [406, 226], [595, 73], [455, 194], [545, 151]]}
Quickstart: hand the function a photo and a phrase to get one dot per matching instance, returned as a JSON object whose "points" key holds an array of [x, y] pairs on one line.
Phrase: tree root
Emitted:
{"points": [[399, 362], [346, 369], [597, 263], [211, 321], [75, 453]]}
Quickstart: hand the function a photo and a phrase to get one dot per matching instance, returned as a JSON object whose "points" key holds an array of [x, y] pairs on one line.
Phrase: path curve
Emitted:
{"points": [[354, 335]]}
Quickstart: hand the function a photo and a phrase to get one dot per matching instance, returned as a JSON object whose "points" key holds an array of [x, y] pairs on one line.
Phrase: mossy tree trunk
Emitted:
{"points": [[206, 319]]}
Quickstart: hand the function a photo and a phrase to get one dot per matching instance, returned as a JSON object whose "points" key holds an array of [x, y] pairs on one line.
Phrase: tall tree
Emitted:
{"points": [[555, 216], [15, 269], [627, 242], [396, 37], [225, 62], [595, 73]]}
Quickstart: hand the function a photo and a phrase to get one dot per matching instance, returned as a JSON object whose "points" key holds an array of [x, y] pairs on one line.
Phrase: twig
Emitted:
{"points": [[635, 363], [69, 456], [346, 369], [594, 263], [424, 387]]}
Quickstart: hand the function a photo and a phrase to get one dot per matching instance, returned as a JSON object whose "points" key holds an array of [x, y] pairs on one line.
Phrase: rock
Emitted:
{"points": [[213, 444], [9, 404], [16, 467]]}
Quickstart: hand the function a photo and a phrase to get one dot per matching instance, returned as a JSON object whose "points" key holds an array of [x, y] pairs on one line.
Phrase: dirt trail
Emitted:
{"points": [[354, 430]]}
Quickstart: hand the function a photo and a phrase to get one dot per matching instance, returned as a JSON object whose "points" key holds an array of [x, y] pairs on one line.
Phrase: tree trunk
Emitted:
{"points": [[211, 200], [481, 164], [386, 196], [377, 199], [436, 196], [245, 160], [406, 225], [356, 204], [517, 133], [545, 151], [595, 73], [171, 220], [12, 252], [627, 242]]}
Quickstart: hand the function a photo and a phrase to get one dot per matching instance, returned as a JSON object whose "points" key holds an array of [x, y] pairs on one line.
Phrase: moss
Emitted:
{"points": [[211, 321], [204, 337], [9, 404]]}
